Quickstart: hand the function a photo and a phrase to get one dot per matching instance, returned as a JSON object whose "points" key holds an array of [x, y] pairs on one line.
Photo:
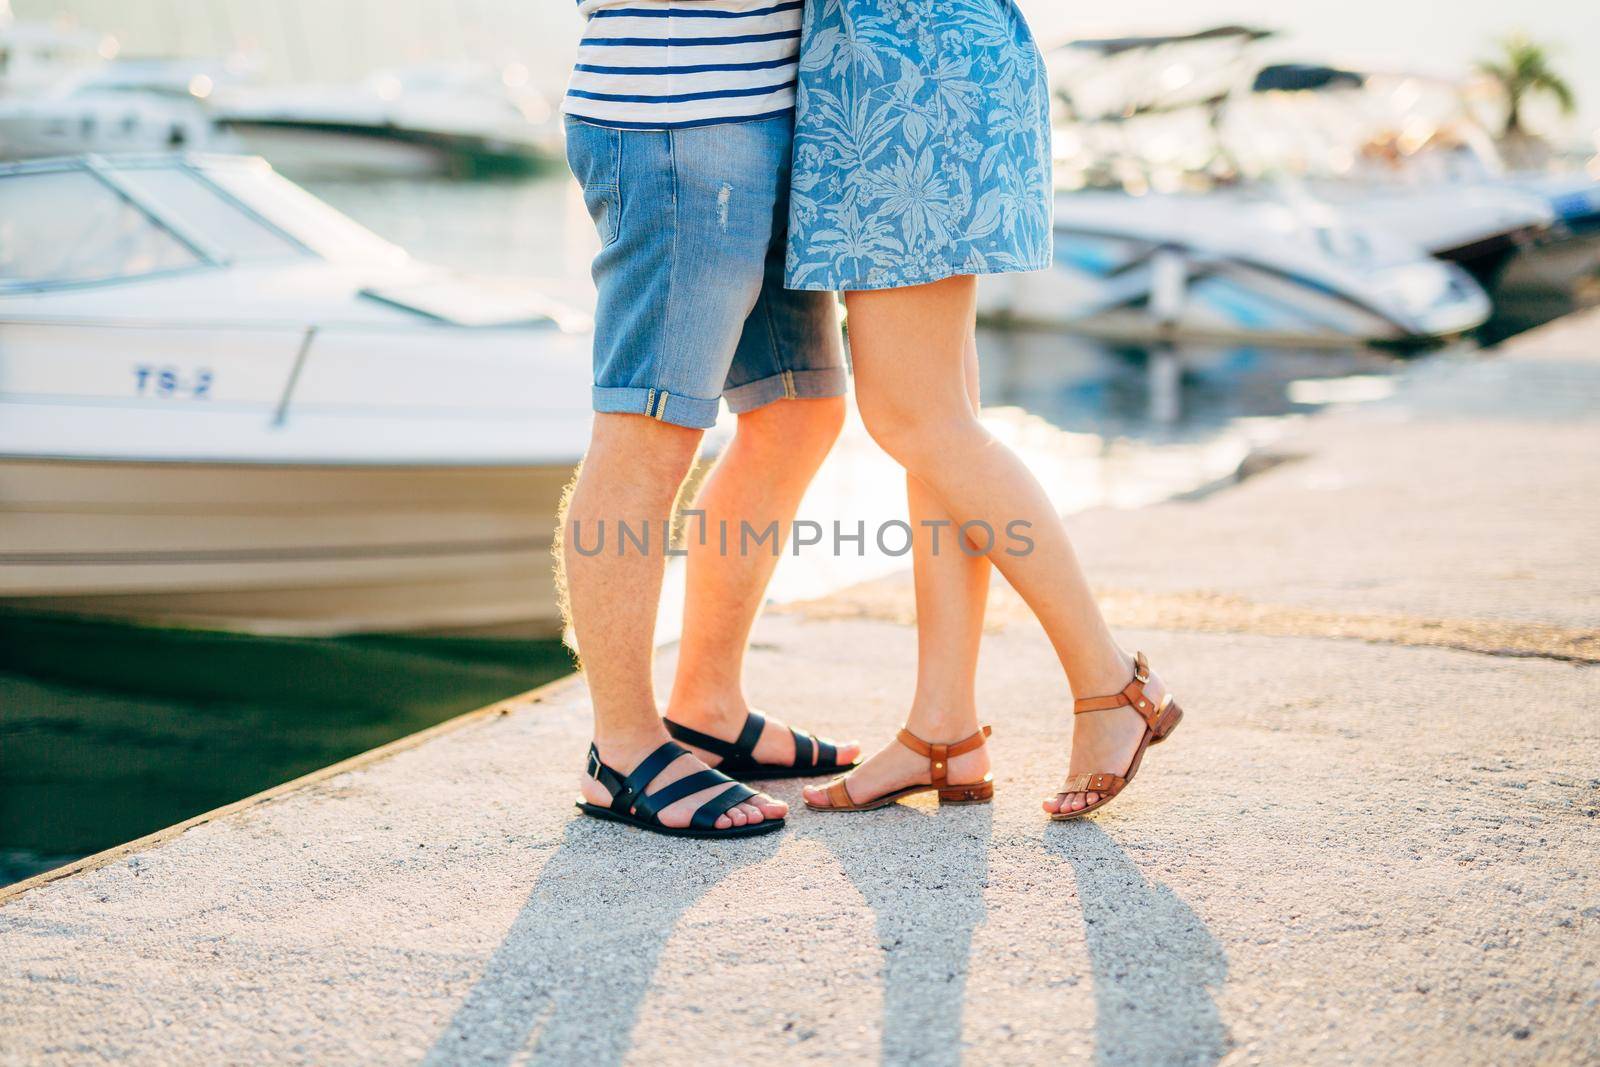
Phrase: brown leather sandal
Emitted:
{"points": [[1146, 695], [938, 767]]}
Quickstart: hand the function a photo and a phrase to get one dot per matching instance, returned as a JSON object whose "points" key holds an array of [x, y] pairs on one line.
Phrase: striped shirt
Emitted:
{"points": [[667, 64]]}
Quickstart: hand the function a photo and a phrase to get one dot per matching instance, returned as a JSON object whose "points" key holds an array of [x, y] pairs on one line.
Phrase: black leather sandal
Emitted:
{"points": [[812, 757], [630, 803]]}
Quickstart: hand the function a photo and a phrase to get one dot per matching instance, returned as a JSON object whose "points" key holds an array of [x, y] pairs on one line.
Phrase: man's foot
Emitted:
{"points": [[896, 767], [624, 758], [775, 747]]}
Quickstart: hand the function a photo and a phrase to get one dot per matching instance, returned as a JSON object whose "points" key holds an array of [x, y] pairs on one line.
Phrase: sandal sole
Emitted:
{"points": [[975, 793], [766, 826], [764, 773]]}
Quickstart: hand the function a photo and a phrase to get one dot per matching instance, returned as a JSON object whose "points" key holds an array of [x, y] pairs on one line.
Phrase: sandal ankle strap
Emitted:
{"points": [[1133, 695], [939, 755]]}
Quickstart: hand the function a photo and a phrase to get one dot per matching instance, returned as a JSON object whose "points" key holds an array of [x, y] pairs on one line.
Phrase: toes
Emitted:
{"points": [[815, 795], [769, 807], [737, 814], [848, 751], [1054, 804], [723, 823], [752, 814]]}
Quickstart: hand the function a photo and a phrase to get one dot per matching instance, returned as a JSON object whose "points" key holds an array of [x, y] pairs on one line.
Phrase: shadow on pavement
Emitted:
{"points": [[1156, 965], [579, 957], [923, 873], [576, 963]]}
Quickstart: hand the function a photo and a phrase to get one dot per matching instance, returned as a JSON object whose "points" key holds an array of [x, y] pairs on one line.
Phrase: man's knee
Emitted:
{"points": [[807, 426], [644, 445]]}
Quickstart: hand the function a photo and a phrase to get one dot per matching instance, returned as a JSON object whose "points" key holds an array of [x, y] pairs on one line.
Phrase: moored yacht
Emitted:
{"points": [[35, 56], [78, 121], [413, 121], [1407, 151], [223, 404], [1232, 265], [64, 91]]}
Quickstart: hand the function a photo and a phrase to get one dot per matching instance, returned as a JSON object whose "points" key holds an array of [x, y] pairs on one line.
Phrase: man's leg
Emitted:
{"points": [[686, 219], [759, 480], [631, 474]]}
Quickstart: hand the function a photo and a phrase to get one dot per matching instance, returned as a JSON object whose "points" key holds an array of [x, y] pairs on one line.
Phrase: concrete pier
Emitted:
{"points": [[1376, 839]]}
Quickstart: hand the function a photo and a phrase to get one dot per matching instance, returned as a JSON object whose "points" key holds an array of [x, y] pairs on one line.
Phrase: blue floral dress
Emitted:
{"points": [[922, 144]]}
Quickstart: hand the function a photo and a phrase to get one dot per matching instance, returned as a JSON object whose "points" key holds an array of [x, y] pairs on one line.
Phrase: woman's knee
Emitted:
{"points": [[916, 436]]}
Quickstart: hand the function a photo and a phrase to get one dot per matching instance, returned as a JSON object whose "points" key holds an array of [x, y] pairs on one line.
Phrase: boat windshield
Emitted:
{"points": [[94, 221], [70, 228], [308, 220], [195, 207]]}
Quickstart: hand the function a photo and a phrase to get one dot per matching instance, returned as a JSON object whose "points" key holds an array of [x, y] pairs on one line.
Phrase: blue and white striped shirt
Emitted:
{"points": [[667, 64]]}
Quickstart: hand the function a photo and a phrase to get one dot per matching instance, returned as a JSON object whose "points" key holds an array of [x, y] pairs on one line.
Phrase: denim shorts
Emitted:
{"points": [[692, 306]]}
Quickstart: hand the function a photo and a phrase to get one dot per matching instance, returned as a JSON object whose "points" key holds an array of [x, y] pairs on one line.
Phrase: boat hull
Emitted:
{"points": [[1232, 268], [104, 123], [308, 149], [303, 550]]}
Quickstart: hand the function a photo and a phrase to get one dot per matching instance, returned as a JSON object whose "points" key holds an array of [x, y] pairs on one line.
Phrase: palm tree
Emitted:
{"points": [[1523, 70]]}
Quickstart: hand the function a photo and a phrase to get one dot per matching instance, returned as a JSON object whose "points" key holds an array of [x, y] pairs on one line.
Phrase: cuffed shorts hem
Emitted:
{"points": [[813, 384], [690, 412], [688, 279]]}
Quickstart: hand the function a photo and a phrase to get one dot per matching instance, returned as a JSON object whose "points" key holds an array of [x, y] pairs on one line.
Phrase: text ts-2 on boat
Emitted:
{"points": [[1234, 266], [223, 404]]}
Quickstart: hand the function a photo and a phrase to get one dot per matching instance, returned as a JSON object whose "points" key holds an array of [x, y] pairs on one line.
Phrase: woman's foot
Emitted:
{"points": [[1101, 741], [1105, 741], [624, 757], [775, 746], [896, 767]]}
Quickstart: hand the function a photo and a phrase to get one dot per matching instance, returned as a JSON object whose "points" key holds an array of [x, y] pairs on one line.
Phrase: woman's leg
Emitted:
{"points": [[952, 589], [908, 347]]}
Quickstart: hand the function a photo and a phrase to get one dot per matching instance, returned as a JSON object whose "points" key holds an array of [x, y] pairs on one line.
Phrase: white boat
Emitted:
{"points": [[1232, 266], [1198, 111], [1137, 111], [35, 56], [63, 91], [1167, 230], [1405, 152], [414, 121], [223, 404], [84, 122], [1479, 226]]}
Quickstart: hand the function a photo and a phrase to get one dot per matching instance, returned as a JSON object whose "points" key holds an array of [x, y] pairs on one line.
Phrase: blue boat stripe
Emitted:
{"points": [[679, 98], [686, 42], [691, 68], [682, 13]]}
